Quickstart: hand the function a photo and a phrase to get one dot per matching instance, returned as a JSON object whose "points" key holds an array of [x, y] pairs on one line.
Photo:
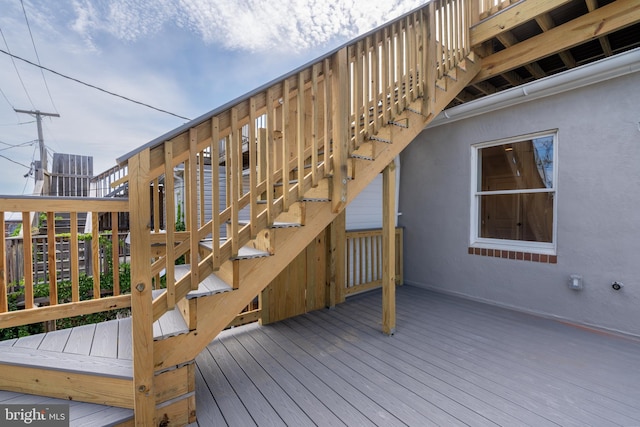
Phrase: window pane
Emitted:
{"points": [[524, 216], [517, 166]]}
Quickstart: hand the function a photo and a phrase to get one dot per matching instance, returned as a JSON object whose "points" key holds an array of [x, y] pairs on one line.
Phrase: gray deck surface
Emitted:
{"points": [[451, 362]]}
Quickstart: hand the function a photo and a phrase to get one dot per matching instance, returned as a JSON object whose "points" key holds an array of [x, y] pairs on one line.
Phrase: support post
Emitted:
{"points": [[141, 302], [430, 63], [340, 122], [336, 275], [388, 249]]}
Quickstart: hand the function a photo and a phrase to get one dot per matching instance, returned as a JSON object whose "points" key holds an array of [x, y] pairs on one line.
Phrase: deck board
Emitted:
{"points": [[281, 402], [259, 408], [105, 341], [451, 362], [125, 350], [55, 340], [81, 340]]}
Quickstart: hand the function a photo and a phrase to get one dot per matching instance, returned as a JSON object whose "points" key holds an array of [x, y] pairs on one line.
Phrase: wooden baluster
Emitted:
{"points": [[115, 253], [191, 208], [270, 155], [326, 114], [4, 306], [315, 126], [387, 97], [27, 253], [51, 258], [253, 169], [95, 254], [358, 99], [235, 155], [368, 90], [286, 136], [170, 257], [215, 191], [301, 134], [74, 259]]}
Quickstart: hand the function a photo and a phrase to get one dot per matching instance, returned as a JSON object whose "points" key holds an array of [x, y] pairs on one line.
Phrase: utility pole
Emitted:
{"points": [[41, 166]]}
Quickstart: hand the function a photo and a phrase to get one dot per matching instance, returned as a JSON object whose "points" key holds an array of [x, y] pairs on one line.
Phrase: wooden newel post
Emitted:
{"points": [[141, 302], [340, 123], [389, 249]]}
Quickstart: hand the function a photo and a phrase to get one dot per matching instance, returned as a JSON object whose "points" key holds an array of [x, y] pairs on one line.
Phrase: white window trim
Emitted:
{"points": [[475, 241]]}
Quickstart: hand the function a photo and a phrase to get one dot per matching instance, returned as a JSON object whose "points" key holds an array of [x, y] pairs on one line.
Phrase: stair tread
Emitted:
{"points": [[66, 362], [210, 285], [80, 413], [244, 252], [170, 323]]}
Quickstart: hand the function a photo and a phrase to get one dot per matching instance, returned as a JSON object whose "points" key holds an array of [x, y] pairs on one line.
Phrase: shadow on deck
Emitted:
{"points": [[452, 362]]}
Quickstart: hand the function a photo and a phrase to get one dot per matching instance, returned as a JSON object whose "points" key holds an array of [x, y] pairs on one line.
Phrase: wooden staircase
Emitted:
{"points": [[317, 138]]}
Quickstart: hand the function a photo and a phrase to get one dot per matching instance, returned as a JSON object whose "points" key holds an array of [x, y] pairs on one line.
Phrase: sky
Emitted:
{"points": [[186, 57]]}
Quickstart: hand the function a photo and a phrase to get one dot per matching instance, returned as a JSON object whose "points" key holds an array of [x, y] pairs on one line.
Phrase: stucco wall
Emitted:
{"points": [[598, 208]]}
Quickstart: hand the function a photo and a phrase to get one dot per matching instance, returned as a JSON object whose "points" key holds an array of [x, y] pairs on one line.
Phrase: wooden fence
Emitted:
{"points": [[63, 259]]}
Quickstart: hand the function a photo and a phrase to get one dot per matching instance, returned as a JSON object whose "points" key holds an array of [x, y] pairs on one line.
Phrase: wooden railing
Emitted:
{"points": [[364, 260], [287, 135], [490, 7], [59, 305]]}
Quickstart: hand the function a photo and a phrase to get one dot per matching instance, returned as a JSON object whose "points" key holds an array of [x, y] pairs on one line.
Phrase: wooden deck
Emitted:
{"points": [[451, 362]]}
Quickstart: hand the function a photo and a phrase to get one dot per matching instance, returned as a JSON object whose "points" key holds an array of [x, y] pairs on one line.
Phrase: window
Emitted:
{"points": [[514, 194]]}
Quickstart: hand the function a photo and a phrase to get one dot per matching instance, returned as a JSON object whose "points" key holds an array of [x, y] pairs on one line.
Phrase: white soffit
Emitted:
{"points": [[595, 72]]}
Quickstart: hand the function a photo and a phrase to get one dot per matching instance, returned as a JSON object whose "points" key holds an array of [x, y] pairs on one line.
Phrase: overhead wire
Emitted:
{"points": [[93, 86], [37, 56], [16, 68]]}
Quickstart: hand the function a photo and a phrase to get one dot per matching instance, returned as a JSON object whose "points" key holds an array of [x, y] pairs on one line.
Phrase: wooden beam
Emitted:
{"points": [[340, 121], [61, 311], [389, 249], [602, 21], [141, 308], [546, 23], [336, 261], [511, 18], [604, 41]]}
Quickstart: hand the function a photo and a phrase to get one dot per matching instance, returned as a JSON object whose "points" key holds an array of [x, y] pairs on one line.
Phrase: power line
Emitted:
{"points": [[16, 68], [37, 56], [93, 86], [17, 163]]}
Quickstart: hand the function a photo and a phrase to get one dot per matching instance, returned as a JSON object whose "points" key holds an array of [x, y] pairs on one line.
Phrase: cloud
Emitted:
{"points": [[250, 25]]}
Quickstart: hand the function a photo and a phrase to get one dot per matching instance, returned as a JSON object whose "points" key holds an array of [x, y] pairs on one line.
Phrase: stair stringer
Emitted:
{"points": [[217, 311]]}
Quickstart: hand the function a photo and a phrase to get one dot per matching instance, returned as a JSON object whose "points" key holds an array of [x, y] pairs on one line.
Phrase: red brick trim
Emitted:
{"points": [[519, 256]]}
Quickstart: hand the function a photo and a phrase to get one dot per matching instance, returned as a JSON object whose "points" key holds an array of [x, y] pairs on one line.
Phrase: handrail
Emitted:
{"points": [[40, 215]]}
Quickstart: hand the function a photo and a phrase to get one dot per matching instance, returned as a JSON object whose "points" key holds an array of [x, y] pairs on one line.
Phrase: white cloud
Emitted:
{"points": [[251, 25]]}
